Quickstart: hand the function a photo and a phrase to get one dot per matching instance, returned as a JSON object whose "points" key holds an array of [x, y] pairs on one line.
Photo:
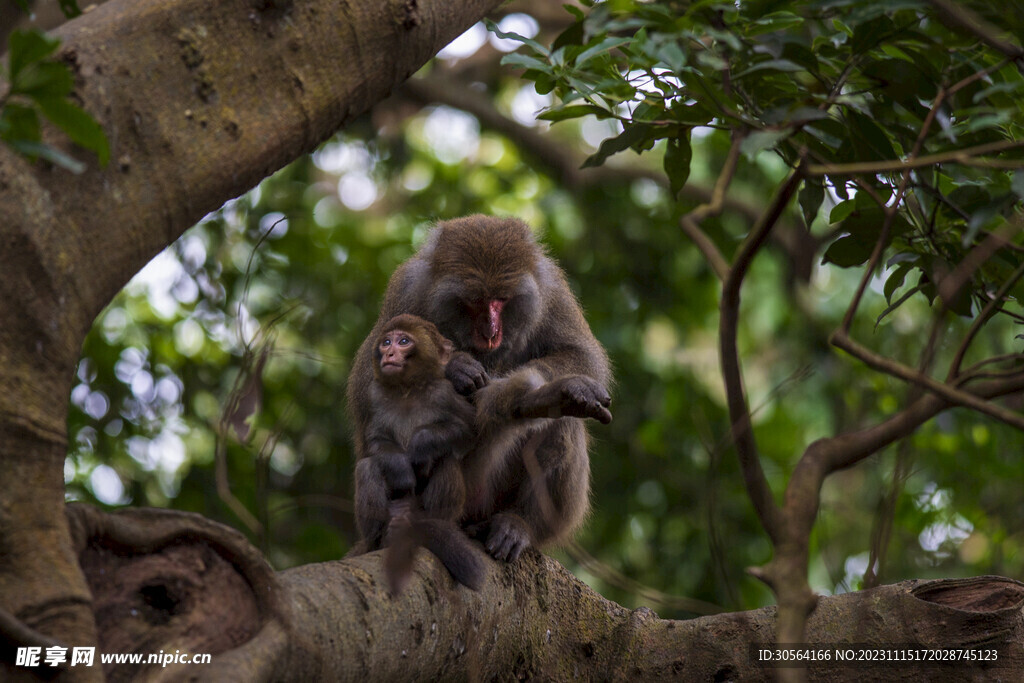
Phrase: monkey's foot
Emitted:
{"points": [[508, 537]]}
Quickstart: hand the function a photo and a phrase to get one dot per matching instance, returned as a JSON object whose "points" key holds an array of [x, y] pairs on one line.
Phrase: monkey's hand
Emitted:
{"points": [[465, 373], [425, 448], [574, 395], [507, 537]]}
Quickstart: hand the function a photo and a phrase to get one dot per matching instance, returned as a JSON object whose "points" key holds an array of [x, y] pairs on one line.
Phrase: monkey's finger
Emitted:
{"points": [[601, 414], [508, 548], [499, 546], [517, 551]]}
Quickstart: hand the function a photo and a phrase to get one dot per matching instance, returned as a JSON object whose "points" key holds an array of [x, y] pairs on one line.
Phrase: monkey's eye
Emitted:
{"points": [[403, 341], [386, 342]]}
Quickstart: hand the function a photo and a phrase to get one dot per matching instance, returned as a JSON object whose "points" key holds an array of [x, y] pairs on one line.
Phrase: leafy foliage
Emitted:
{"points": [[836, 84], [39, 85]]}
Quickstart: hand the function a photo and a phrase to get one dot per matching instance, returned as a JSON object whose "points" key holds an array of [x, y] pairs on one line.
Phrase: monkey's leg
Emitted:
{"points": [[548, 489], [371, 503], [445, 493]]}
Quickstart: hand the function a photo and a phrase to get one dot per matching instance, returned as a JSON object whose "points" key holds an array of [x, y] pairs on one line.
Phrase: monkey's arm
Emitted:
{"points": [[534, 391], [572, 396]]}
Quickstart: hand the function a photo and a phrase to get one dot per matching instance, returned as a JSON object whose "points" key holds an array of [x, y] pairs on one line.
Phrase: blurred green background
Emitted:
{"points": [[293, 272]]}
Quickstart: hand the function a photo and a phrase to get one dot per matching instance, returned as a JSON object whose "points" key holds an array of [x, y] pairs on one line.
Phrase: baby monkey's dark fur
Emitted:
{"points": [[409, 484]]}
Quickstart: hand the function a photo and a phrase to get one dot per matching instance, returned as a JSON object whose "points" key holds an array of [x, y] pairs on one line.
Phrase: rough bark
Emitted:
{"points": [[174, 580], [200, 100]]}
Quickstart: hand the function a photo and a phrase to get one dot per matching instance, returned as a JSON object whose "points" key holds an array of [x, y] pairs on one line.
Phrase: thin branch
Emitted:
{"points": [[706, 246], [1005, 374], [972, 372], [959, 17], [949, 393], [845, 450], [875, 167], [690, 222], [743, 436], [716, 203], [981, 319]]}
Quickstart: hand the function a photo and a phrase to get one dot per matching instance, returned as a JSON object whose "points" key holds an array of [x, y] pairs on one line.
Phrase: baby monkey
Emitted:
{"points": [[409, 486]]}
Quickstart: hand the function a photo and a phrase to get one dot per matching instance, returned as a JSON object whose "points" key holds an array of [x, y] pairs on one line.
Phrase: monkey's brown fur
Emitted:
{"points": [[526, 353], [409, 485]]}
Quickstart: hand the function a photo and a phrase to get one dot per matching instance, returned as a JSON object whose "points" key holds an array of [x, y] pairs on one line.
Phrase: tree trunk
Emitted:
{"points": [[200, 100]]}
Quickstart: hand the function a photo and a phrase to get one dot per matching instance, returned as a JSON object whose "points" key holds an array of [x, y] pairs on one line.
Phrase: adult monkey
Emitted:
{"points": [[526, 353]]}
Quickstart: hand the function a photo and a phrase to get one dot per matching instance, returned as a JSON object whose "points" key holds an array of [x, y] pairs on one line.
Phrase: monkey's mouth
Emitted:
{"points": [[482, 343], [487, 324], [390, 368]]}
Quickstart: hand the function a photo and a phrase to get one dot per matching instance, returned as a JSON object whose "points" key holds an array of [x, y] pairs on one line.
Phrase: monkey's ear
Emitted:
{"points": [[446, 351]]}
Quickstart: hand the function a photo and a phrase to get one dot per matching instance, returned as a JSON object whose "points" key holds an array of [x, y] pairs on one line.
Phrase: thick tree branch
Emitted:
{"points": [[531, 619]]}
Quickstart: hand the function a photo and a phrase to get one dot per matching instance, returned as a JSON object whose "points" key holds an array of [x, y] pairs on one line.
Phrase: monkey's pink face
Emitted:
{"points": [[395, 349], [486, 316]]}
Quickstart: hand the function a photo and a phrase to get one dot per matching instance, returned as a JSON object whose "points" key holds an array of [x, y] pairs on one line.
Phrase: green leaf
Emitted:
{"points": [[678, 155], [841, 210], [937, 270], [892, 307], [773, 64], [1018, 184], [526, 62], [776, 21], [846, 252], [54, 156], [870, 142], [761, 140], [575, 11], [573, 112], [27, 47], [870, 34], [537, 47], [18, 122], [570, 36], [863, 227], [77, 125], [811, 195], [603, 46], [634, 134], [45, 79], [895, 281]]}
